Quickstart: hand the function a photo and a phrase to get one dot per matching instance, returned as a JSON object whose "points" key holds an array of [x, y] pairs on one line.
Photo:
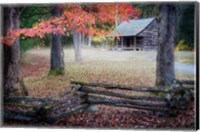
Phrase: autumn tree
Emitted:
{"points": [[92, 20], [12, 83], [77, 21], [77, 45], [32, 15], [165, 73], [89, 38], [57, 54]]}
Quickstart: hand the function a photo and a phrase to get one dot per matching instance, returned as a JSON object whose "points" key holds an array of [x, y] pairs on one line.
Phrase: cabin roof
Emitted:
{"points": [[131, 28]]}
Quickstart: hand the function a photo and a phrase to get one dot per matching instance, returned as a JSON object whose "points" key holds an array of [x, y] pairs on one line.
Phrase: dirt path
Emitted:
{"points": [[181, 67]]}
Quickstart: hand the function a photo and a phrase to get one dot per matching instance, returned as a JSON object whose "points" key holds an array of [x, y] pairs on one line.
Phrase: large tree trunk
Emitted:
{"points": [[57, 54], [13, 84], [77, 44], [165, 73]]}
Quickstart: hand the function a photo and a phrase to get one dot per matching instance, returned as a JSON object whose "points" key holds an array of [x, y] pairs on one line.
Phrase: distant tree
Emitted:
{"points": [[185, 24], [165, 73], [89, 38], [148, 10], [77, 44], [12, 82], [57, 54]]}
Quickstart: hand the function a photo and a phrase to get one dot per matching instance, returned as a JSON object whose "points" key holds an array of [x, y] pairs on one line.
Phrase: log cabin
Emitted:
{"points": [[138, 34]]}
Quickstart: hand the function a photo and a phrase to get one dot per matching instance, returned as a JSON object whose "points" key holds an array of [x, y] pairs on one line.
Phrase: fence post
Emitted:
{"points": [[178, 98]]}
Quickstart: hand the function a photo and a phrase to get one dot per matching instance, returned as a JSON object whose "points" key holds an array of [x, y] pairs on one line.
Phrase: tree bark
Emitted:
{"points": [[116, 24], [57, 54], [83, 38], [89, 41], [13, 84], [77, 44], [165, 73]]}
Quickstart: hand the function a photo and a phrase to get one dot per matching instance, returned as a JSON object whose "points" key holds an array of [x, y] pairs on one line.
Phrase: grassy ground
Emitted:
{"points": [[129, 68], [185, 57]]}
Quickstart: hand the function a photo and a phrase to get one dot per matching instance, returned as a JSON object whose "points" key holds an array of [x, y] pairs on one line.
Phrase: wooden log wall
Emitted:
{"points": [[150, 36]]}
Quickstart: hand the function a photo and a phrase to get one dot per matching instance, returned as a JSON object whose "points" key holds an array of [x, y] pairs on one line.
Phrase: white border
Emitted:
{"points": [[78, 1]]}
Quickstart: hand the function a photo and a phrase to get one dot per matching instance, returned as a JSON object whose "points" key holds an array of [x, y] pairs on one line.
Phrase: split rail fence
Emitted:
{"points": [[84, 95]]}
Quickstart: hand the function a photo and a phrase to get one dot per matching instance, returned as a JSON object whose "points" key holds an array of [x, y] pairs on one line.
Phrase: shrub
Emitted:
{"points": [[182, 46]]}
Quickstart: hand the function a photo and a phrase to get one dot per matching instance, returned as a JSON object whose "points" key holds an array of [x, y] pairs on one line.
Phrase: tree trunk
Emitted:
{"points": [[13, 84], [165, 73], [83, 38], [116, 43], [77, 44], [116, 24], [89, 41], [57, 54]]}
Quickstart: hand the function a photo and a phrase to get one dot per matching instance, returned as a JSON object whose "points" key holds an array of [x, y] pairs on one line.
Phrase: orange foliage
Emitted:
{"points": [[75, 17], [7, 41]]}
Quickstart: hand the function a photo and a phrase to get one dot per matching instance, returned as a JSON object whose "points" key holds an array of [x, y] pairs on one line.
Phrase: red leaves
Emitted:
{"points": [[112, 117], [28, 32], [85, 20], [7, 41], [11, 36], [109, 12], [75, 15]]}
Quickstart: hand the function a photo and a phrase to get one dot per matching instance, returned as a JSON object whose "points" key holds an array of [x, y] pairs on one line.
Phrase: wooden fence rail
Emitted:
{"points": [[121, 87], [82, 95], [109, 93], [126, 103], [172, 99]]}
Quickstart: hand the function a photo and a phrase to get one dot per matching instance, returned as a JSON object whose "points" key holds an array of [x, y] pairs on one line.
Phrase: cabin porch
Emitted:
{"points": [[129, 43]]}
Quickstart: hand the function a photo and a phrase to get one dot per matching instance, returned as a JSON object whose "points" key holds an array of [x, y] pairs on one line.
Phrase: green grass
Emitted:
{"points": [[129, 68]]}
